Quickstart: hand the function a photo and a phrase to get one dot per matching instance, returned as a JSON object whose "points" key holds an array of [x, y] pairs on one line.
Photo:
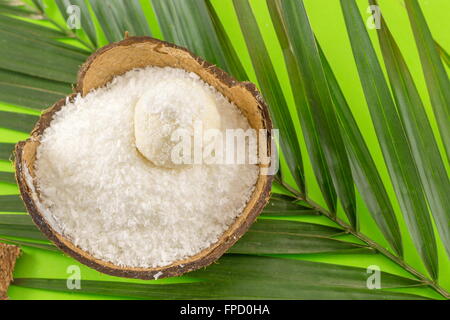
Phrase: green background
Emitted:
{"points": [[328, 24]]}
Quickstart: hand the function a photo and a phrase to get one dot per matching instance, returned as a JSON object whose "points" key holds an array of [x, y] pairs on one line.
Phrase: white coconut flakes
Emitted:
{"points": [[110, 201]]}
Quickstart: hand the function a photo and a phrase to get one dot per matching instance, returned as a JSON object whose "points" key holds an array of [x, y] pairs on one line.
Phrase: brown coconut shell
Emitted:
{"points": [[100, 68], [8, 256]]}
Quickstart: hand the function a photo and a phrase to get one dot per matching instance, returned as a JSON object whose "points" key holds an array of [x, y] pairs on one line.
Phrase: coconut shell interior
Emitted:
{"points": [[100, 68]]}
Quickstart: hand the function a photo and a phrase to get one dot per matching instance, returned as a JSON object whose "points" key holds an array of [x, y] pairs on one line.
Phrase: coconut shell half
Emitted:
{"points": [[100, 68]]}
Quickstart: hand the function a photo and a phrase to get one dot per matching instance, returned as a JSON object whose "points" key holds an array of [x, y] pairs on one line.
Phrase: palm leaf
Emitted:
{"points": [[259, 242], [419, 133], [86, 22], [7, 177], [19, 225], [272, 91], [17, 9], [54, 62], [17, 219], [174, 17], [118, 16], [250, 277], [304, 110], [21, 27], [32, 92], [108, 19], [6, 150], [11, 203], [21, 232], [444, 54], [311, 71], [279, 206], [391, 134], [232, 62], [17, 121], [365, 173], [134, 19], [21, 243], [435, 75], [291, 237], [216, 290]]}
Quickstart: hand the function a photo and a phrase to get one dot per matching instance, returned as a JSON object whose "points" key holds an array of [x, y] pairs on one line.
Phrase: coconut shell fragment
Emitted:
{"points": [[100, 68], [8, 256]]}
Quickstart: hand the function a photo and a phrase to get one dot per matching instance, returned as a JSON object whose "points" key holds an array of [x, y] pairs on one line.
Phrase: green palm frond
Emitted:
{"points": [[11, 203], [20, 226], [258, 278], [334, 209], [444, 54], [391, 135], [419, 133], [271, 88], [435, 75], [6, 151], [7, 177], [17, 121], [304, 111], [318, 97]]}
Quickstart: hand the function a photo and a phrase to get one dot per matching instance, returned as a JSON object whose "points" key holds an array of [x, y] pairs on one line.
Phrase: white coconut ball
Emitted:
{"points": [[169, 107]]}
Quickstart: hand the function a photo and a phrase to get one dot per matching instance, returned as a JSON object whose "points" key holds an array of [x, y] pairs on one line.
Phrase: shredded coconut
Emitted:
{"points": [[100, 192]]}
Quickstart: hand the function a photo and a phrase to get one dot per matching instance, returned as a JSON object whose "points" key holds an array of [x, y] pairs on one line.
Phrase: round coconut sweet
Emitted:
{"points": [[99, 69]]}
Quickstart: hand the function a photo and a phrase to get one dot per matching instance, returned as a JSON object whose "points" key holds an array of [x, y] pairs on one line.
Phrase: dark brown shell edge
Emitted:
{"points": [[131, 272]]}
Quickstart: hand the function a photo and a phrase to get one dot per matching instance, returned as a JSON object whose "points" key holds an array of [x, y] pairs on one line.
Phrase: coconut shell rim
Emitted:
{"points": [[177, 267]]}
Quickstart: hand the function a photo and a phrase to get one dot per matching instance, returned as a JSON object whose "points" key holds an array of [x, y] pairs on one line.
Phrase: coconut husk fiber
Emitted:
{"points": [[8, 257]]}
